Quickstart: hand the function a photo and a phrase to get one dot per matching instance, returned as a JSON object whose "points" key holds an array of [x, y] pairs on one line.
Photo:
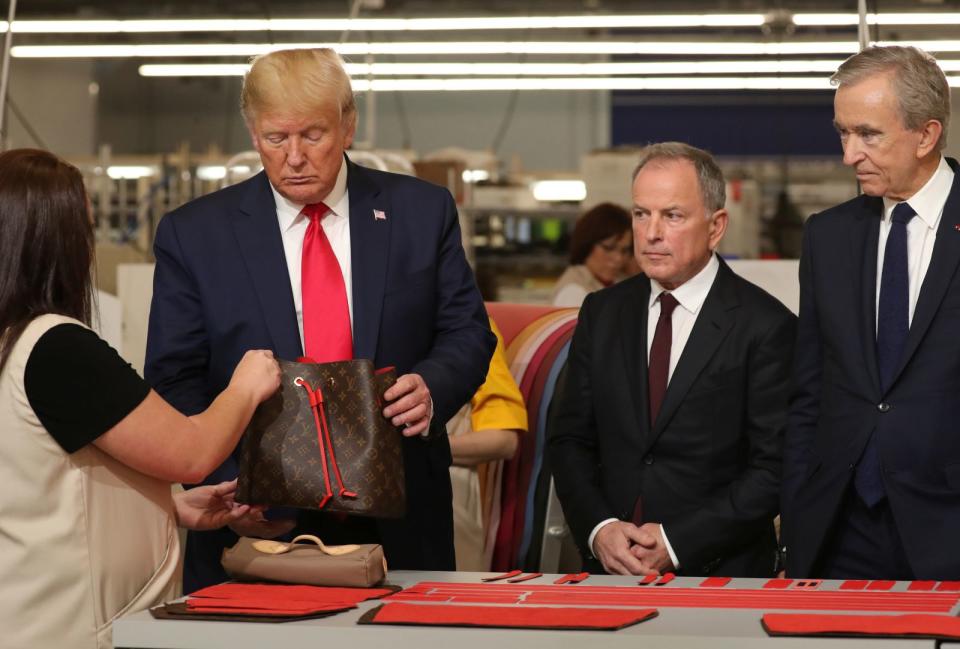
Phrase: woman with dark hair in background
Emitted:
{"points": [[600, 247], [88, 451]]}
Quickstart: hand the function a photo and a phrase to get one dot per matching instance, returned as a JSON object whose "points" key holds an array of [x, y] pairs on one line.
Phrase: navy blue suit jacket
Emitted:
{"points": [[835, 405], [221, 287]]}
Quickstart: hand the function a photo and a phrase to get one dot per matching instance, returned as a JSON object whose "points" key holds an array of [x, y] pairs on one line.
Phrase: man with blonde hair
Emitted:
{"points": [[871, 486], [318, 257]]}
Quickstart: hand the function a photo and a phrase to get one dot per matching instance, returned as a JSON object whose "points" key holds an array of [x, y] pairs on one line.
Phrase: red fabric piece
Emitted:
{"points": [[854, 584], [291, 593], [881, 584], [778, 583], [659, 369], [665, 579], [509, 617], [932, 626], [327, 335], [951, 586], [714, 582], [649, 579], [262, 607], [921, 585]]}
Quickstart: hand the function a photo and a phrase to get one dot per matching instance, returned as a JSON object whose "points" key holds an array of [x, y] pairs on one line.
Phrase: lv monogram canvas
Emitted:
{"points": [[321, 442]]}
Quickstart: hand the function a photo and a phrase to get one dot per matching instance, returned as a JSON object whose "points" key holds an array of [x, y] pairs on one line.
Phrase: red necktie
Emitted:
{"points": [[326, 316], [660, 355]]}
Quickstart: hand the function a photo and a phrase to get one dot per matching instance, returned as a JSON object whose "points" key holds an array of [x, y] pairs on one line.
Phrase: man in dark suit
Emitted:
{"points": [[667, 429], [316, 256], [871, 485]]}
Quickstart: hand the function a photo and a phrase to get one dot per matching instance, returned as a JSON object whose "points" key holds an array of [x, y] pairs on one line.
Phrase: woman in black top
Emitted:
{"points": [[85, 442]]}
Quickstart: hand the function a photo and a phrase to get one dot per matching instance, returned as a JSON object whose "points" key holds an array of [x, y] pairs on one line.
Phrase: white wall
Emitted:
{"points": [[55, 98], [549, 130]]}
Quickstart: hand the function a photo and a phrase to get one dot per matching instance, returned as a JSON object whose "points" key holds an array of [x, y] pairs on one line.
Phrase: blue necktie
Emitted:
{"points": [[893, 324]]}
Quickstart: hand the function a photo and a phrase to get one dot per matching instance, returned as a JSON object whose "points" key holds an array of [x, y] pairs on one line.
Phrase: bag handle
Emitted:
{"points": [[278, 547]]}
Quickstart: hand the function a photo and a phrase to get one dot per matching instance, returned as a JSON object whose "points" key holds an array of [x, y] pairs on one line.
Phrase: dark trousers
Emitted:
{"points": [[864, 544]]}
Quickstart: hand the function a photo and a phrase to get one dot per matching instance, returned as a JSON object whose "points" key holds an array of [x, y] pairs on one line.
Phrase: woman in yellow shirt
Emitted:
{"points": [[485, 431]]}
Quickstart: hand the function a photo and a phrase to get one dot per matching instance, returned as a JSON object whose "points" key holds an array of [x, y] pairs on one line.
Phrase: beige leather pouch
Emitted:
{"points": [[311, 563]]}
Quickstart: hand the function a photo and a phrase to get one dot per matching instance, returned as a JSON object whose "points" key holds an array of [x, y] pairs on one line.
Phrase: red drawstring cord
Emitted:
{"points": [[323, 440], [333, 459]]}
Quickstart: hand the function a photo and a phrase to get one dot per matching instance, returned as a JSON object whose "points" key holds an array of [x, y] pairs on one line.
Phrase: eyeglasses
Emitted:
{"points": [[612, 248]]}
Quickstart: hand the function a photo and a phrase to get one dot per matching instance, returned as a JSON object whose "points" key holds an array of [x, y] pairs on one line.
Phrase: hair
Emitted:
{"points": [[713, 188], [918, 83], [598, 223], [299, 82], [46, 243]]}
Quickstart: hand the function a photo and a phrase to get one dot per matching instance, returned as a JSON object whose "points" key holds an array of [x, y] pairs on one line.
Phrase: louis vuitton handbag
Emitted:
{"points": [[322, 442]]}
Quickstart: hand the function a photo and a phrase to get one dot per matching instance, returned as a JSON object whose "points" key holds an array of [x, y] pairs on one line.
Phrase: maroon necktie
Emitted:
{"points": [[326, 316], [659, 366]]}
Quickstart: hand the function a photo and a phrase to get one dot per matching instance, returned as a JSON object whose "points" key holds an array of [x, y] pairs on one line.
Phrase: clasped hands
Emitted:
{"points": [[625, 549]]}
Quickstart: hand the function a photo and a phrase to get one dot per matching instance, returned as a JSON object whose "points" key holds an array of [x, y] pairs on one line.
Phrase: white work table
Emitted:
{"points": [[693, 628]]}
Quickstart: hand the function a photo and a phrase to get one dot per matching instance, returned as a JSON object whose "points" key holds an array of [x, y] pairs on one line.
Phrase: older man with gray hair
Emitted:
{"points": [[871, 486], [667, 425]]}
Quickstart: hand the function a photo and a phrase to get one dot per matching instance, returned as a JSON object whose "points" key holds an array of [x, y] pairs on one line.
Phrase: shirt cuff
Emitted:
{"points": [[666, 542], [593, 534]]}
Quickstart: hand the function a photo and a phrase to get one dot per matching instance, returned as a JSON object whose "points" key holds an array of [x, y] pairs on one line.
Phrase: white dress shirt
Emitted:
{"points": [[921, 230], [690, 295], [336, 225]]}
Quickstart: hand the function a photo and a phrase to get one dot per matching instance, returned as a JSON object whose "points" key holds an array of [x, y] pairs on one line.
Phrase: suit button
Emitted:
{"points": [[648, 459], [883, 407]]}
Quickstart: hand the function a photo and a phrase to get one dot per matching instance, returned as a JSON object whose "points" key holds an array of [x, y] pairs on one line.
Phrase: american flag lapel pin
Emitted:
{"points": [[379, 215], [957, 227]]}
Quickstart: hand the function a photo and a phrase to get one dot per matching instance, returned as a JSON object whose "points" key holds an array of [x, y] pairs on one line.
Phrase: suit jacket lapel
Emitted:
{"points": [[712, 326], [865, 236], [634, 317], [943, 266], [369, 248], [261, 247]]}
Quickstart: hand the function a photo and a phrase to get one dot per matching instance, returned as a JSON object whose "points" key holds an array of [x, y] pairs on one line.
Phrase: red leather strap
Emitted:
{"points": [[506, 575], [916, 625], [532, 575], [343, 493], [315, 396], [527, 617]]}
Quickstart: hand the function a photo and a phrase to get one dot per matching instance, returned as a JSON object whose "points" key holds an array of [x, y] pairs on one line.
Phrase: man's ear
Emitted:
{"points": [[929, 137], [254, 140], [718, 226]]}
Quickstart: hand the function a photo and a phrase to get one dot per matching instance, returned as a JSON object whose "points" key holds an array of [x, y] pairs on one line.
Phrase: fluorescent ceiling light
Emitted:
{"points": [[595, 83], [129, 172], [450, 48], [475, 175], [361, 70], [465, 23], [211, 172], [843, 20], [472, 47], [559, 190], [634, 21]]}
